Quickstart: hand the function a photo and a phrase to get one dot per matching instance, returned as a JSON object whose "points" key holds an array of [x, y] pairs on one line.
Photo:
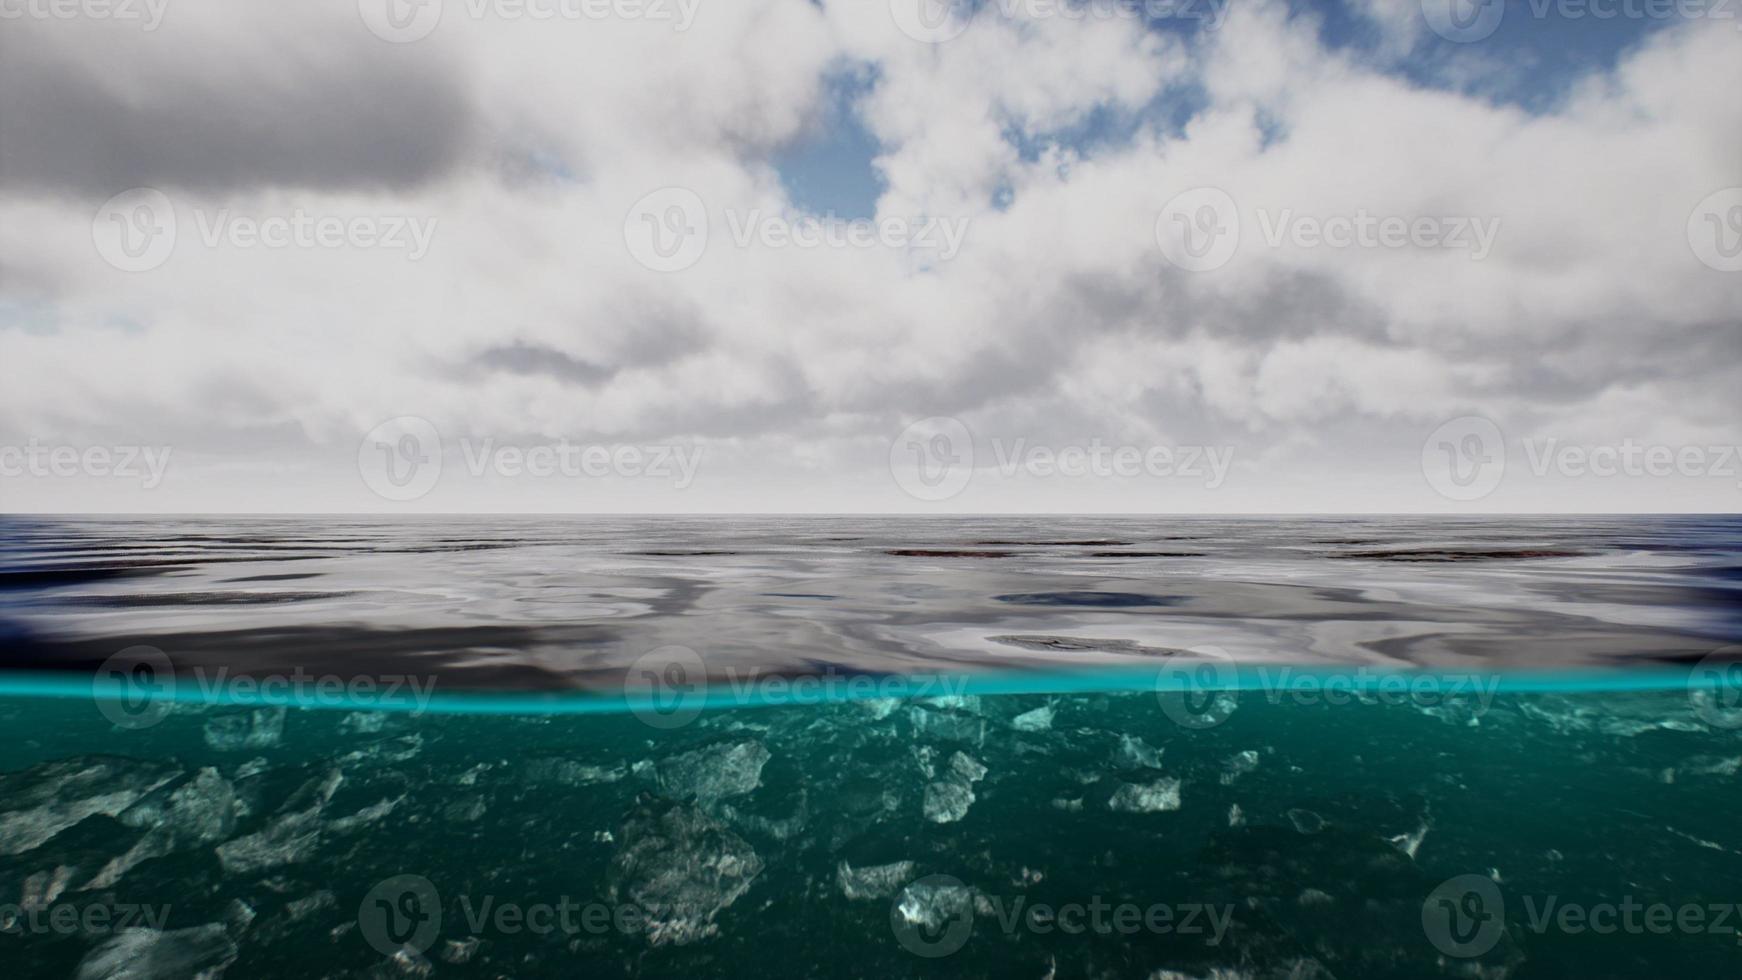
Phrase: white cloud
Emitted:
{"points": [[1059, 319]]}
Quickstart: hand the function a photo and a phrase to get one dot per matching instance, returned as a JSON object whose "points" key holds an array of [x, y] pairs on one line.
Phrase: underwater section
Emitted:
{"points": [[1291, 828]]}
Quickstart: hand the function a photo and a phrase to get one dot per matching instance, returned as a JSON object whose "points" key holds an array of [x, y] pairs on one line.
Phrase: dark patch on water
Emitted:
{"points": [[1455, 555], [454, 658], [50, 578], [1148, 554], [1091, 543], [1080, 644], [1104, 600], [946, 553], [194, 599]]}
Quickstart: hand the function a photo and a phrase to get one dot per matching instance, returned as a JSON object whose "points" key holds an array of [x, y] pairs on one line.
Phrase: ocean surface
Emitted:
{"points": [[1170, 749], [522, 603]]}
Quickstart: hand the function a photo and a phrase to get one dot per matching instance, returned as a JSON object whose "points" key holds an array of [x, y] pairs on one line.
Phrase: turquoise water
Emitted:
{"points": [[1259, 832]]}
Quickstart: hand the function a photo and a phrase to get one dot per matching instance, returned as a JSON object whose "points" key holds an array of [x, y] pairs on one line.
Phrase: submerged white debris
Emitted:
{"points": [[151, 954], [459, 952], [201, 810], [879, 708], [948, 799], [879, 881], [399, 748], [1155, 797], [967, 767], [681, 867], [1038, 720], [949, 726], [370, 814], [566, 772], [260, 728], [1134, 753], [1239, 766], [42, 801], [930, 903], [363, 722], [293, 835], [713, 773], [1410, 843]]}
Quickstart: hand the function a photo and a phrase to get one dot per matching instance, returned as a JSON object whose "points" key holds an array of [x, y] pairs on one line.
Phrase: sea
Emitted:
{"points": [[871, 746]]}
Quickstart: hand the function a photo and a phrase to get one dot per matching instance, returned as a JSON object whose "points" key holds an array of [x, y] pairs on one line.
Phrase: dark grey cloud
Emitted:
{"points": [[524, 358], [333, 108]]}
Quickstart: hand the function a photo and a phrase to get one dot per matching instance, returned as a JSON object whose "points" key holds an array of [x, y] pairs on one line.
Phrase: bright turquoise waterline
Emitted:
{"points": [[1282, 680]]}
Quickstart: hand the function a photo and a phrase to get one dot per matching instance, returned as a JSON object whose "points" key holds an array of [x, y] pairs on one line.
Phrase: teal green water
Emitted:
{"points": [[826, 689], [1033, 827]]}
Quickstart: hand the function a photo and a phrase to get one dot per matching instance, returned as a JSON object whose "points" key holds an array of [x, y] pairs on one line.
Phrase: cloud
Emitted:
{"points": [[526, 146]]}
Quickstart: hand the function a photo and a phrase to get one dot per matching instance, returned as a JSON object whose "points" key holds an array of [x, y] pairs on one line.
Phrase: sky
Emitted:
{"points": [[1157, 256]]}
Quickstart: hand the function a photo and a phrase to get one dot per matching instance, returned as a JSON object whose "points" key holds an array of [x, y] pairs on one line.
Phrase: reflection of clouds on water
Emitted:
{"points": [[546, 601]]}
